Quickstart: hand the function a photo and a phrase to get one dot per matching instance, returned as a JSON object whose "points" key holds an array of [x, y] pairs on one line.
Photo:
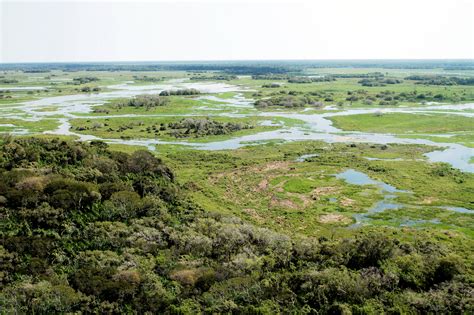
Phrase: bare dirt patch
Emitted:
{"points": [[334, 218], [429, 200], [346, 202], [275, 202], [251, 212], [323, 191], [263, 185]]}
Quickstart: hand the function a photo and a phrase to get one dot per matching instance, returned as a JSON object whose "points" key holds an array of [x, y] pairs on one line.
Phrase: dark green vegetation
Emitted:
{"points": [[145, 78], [84, 80], [8, 81], [183, 128], [190, 127], [440, 80], [364, 97], [310, 79], [180, 92], [200, 128], [291, 100], [212, 77], [146, 101], [378, 82], [243, 67], [85, 229]]}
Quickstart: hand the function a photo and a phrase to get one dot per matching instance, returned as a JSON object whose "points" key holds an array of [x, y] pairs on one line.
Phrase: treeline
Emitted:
{"points": [[440, 80], [243, 67], [358, 75], [89, 230], [8, 81], [232, 68], [294, 79], [270, 76], [379, 81], [216, 77], [84, 80], [311, 79], [145, 78]]}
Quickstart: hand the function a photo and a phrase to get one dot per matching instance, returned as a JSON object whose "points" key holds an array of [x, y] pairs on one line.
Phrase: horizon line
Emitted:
{"points": [[238, 60]]}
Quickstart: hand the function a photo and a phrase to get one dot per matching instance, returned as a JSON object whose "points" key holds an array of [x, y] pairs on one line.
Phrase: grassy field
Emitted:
{"points": [[434, 127], [405, 123], [265, 185], [139, 127]]}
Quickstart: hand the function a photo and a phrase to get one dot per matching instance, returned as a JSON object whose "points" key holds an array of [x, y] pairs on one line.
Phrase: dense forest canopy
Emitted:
{"points": [[86, 229]]}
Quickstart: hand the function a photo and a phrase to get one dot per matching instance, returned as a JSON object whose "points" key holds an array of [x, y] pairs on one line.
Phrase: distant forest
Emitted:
{"points": [[242, 67]]}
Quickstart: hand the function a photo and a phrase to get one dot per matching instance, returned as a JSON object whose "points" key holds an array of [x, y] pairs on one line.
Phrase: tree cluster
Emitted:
{"points": [[180, 92], [215, 77], [8, 81], [145, 78], [440, 80], [379, 81], [146, 101], [191, 127], [84, 80], [311, 79], [289, 101]]}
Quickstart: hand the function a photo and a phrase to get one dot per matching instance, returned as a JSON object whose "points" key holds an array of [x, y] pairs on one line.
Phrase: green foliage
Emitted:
{"points": [[188, 127], [180, 92], [110, 232], [146, 101]]}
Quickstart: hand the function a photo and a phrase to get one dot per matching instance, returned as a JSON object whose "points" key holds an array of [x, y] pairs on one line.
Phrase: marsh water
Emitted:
{"points": [[388, 202], [316, 125]]}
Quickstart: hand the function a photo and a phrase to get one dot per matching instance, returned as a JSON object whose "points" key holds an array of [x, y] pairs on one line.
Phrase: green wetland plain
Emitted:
{"points": [[244, 187]]}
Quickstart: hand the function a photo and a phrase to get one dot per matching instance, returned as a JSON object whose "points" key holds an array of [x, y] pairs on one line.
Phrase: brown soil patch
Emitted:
{"points": [[253, 214], [282, 203], [346, 202], [307, 201], [275, 166], [263, 185], [322, 191], [429, 200], [334, 218]]}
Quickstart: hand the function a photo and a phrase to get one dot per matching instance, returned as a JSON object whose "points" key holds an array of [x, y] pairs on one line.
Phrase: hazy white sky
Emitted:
{"points": [[225, 30]]}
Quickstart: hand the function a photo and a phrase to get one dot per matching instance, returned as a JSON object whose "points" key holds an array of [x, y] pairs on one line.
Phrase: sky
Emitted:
{"points": [[107, 30]]}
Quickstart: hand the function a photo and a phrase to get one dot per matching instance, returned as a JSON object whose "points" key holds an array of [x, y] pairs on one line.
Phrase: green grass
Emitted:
{"points": [[405, 123], [299, 185], [138, 127], [265, 185], [31, 126]]}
